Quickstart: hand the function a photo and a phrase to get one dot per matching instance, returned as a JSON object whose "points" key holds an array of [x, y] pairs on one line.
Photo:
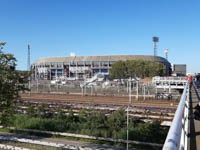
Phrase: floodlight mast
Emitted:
{"points": [[155, 40], [166, 53], [29, 68], [28, 59]]}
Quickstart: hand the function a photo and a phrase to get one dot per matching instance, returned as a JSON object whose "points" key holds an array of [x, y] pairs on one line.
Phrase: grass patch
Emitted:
{"points": [[91, 123]]}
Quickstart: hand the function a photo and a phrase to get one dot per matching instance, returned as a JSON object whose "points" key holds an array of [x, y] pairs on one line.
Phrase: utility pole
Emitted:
{"points": [[128, 113]]}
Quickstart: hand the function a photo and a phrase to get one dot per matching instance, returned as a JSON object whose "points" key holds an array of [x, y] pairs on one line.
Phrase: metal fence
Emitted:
{"points": [[113, 89], [138, 89], [177, 135]]}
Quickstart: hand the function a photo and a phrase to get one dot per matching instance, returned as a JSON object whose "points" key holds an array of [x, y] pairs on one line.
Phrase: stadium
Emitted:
{"points": [[77, 67]]}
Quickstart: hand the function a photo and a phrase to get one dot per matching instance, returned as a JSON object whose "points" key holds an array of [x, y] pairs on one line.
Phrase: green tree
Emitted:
{"points": [[11, 83], [147, 69], [60, 114], [116, 122], [162, 69], [119, 70], [131, 68], [157, 69], [31, 111], [140, 65], [83, 115], [137, 68]]}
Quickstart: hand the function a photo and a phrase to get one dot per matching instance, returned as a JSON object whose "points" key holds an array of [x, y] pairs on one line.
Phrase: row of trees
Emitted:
{"points": [[11, 82], [93, 123], [136, 68]]}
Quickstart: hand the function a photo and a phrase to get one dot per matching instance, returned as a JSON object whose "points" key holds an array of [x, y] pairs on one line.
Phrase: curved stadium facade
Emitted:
{"points": [[78, 66]]}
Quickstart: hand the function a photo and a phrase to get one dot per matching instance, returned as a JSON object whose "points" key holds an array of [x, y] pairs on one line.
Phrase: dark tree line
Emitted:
{"points": [[136, 68]]}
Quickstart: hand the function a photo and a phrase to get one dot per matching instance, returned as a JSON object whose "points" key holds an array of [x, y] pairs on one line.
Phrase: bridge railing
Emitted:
{"points": [[177, 135], [176, 79]]}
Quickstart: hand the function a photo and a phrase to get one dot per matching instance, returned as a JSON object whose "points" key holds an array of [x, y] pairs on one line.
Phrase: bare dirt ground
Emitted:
{"points": [[107, 100]]}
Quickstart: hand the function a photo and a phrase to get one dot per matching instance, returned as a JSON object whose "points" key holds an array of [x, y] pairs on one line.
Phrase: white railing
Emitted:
{"points": [[177, 135], [169, 82], [158, 78]]}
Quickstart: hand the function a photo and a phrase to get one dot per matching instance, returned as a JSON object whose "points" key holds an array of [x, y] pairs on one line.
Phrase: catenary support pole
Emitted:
{"points": [[128, 114]]}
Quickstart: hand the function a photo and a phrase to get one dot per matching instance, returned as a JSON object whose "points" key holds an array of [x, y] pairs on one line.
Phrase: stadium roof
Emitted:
{"points": [[68, 59]]}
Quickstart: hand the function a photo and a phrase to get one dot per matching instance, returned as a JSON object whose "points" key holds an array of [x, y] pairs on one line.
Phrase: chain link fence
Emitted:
{"points": [[107, 88]]}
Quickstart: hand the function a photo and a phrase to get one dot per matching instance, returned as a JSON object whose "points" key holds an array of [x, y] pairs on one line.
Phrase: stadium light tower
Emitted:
{"points": [[166, 53], [28, 59], [29, 68], [155, 40]]}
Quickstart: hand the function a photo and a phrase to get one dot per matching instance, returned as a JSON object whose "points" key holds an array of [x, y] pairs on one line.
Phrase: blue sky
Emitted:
{"points": [[101, 27]]}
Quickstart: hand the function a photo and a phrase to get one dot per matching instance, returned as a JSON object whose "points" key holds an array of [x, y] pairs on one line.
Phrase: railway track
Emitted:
{"points": [[101, 100], [149, 109]]}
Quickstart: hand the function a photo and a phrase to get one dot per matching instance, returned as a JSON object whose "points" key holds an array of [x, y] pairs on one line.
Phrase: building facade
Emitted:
{"points": [[179, 69], [78, 67]]}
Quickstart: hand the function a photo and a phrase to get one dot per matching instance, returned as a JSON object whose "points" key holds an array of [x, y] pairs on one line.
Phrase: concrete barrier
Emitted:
{"points": [[87, 137], [51, 144], [4, 146]]}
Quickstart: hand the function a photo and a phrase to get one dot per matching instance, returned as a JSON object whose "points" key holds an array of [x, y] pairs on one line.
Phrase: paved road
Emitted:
{"points": [[63, 141], [194, 125]]}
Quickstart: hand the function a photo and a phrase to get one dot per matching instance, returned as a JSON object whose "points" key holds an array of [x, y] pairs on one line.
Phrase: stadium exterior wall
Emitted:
{"points": [[78, 67]]}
